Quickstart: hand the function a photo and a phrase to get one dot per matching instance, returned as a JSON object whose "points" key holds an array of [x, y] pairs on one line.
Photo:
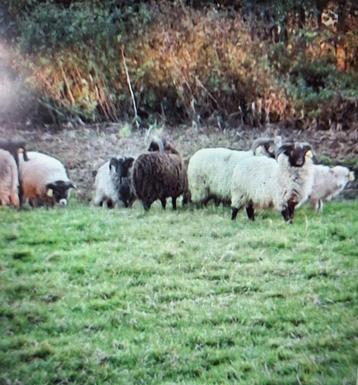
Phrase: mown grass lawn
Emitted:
{"points": [[92, 296]]}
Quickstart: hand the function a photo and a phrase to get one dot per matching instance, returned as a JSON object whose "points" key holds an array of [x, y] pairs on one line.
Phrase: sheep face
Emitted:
{"points": [[121, 166], [125, 166], [297, 153], [120, 170], [58, 191], [342, 175]]}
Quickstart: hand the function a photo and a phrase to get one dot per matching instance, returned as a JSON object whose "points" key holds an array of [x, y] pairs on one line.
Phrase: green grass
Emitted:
{"points": [[92, 296]]}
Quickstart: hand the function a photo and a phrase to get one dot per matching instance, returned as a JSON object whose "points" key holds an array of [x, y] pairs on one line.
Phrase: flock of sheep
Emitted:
{"points": [[275, 174]]}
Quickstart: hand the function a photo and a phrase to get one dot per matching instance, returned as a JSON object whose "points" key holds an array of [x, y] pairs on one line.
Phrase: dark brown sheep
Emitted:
{"points": [[160, 175]]}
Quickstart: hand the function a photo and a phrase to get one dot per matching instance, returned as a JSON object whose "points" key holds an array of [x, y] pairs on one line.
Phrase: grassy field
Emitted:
{"points": [[89, 296]]}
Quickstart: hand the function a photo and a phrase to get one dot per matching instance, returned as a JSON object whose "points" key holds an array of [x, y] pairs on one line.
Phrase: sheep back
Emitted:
{"points": [[8, 180], [210, 172]]}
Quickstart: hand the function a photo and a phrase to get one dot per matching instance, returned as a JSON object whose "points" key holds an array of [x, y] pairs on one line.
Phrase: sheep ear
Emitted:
{"points": [[114, 162], [71, 185], [128, 161], [49, 189], [309, 154]]}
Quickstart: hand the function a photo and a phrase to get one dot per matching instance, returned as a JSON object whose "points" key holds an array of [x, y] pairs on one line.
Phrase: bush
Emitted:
{"points": [[195, 62]]}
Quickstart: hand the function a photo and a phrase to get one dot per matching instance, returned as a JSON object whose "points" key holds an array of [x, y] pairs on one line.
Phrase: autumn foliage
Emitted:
{"points": [[205, 64]]}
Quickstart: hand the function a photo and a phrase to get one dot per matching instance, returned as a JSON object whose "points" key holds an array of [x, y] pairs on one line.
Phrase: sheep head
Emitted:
{"points": [[125, 166], [58, 191], [161, 145], [298, 154], [121, 166], [342, 174]]}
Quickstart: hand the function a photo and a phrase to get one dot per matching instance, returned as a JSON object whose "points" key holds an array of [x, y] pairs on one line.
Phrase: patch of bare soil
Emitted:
{"points": [[84, 149]]}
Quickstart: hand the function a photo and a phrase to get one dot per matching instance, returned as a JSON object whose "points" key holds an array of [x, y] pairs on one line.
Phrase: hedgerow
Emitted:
{"points": [[184, 61]]}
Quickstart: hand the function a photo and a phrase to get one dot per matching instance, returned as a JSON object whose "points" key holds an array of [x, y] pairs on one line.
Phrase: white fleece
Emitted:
{"points": [[265, 182], [9, 180], [105, 189]]}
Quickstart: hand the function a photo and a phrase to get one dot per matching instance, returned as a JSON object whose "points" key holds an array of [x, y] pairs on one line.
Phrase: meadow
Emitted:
{"points": [[92, 296]]}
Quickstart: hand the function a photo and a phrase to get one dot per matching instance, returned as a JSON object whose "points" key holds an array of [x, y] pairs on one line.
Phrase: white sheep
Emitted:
{"points": [[9, 180], [328, 183], [44, 180], [261, 182], [210, 169], [106, 193]]}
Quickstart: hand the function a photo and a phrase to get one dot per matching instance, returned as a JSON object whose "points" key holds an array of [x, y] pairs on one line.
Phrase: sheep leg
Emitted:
{"points": [[234, 212], [286, 214], [319, 206], [130, 202], [217, 201], [174, 203], [250, 211], [146, 205], [206, 201], [186, 199], [291, 209], [163, 202], [316, 203], [49, 202], [21, 193]]}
